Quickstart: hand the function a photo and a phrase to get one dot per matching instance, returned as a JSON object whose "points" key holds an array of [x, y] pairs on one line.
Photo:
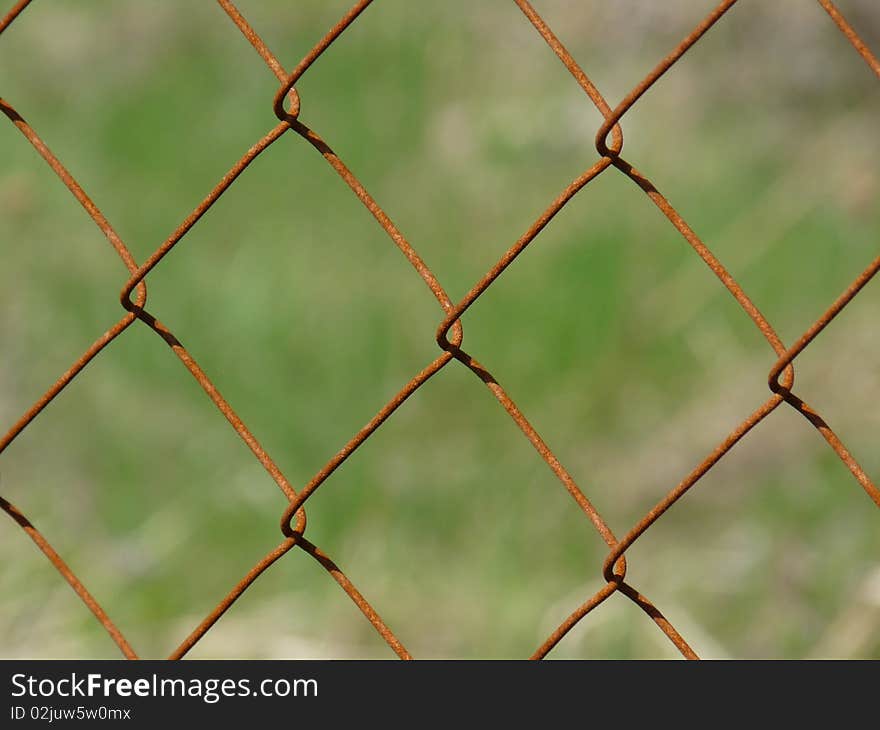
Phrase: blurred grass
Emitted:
{"points": [[623, 350]]}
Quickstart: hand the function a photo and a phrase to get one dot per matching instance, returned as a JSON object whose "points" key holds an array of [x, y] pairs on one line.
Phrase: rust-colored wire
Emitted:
{"points": [[449, 335]]}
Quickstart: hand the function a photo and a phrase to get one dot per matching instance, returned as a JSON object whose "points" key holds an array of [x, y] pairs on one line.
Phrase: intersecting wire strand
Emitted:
{"points": [[449, 334]]}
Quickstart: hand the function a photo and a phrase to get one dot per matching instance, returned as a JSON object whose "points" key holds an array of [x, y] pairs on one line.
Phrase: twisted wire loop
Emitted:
{"points": [[449, 335]]}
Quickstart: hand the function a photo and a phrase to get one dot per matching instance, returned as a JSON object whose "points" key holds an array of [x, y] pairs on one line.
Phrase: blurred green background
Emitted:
{"points": [[624, 351]]}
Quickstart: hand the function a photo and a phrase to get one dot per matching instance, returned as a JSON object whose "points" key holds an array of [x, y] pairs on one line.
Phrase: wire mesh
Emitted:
{"points": [[449, 335]]}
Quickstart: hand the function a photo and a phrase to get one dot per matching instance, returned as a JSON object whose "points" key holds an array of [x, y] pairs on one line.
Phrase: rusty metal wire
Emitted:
{"points": [[449, 335]]}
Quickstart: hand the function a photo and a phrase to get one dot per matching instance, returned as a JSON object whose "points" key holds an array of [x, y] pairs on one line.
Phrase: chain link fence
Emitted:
{"points": [[450, 336]]}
